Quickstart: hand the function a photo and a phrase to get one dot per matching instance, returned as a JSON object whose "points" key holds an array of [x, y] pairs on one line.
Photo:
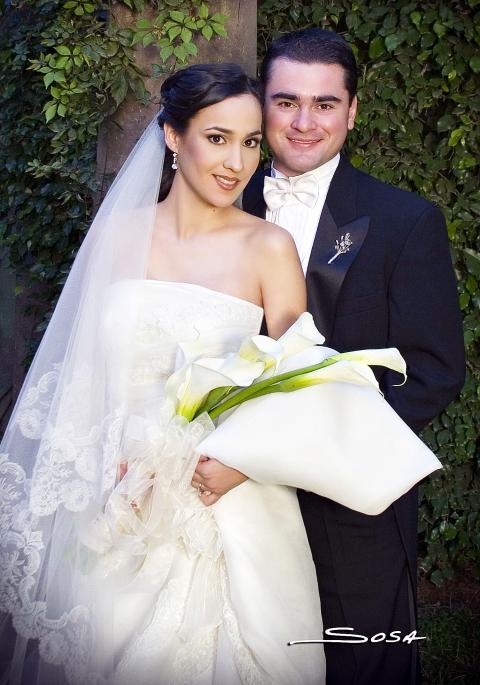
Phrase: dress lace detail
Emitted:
{"points": [[64, 641], [68, 458]]}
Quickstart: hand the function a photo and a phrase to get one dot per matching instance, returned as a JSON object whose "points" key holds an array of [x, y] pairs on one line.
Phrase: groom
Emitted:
{"points": [[378, 274]]}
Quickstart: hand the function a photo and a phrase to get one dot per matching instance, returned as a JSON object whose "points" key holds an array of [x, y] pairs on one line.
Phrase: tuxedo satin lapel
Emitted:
{"points": [[252, 200], [334, 251]]}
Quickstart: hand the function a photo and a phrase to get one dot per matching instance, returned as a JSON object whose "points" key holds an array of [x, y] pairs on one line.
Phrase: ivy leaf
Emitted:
{"points": [[112, 48], [50, 112], [219, 30], [173, 33], [475, 63], [376, 48], [61, 110], [464, 300], [186, 35], [219, 17], [61, 62], [203, 11], [177, 16], [180, 52], [439, 29], [138, 88], [148, 39], [455, 137], [446, 123], [356, 161], [392, 41], [472, 261], [166, 52], [416, 18], [119, 89], [143, 24], [62, 50], [207, 31], [191, 48], [48, 78]]}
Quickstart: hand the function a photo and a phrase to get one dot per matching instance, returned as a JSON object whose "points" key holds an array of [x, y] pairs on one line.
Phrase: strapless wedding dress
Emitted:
{"points": [[221, 590]]}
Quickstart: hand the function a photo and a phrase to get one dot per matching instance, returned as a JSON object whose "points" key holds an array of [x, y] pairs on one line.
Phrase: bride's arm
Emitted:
{"points": [[277, 267]]}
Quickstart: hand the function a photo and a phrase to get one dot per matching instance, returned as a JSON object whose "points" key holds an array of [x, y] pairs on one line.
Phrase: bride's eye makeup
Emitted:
{"points": [[216, 139], [252, 142]]}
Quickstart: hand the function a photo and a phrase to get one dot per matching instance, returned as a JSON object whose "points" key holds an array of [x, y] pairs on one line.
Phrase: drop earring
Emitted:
{"points": [[174, 163]]}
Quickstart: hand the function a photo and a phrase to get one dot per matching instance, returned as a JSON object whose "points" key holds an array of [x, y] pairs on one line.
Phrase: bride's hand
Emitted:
{"points": [[208, 498], [213, 479]]}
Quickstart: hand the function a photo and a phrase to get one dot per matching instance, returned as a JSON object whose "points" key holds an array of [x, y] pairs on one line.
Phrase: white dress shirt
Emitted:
{"points": [[296, 217]]}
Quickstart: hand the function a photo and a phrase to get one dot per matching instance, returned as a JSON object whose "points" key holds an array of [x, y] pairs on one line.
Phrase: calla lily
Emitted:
{"points": [[264, 365], [261, 348], [301, 335], [189, 386], [307, 357], [389, 357]]}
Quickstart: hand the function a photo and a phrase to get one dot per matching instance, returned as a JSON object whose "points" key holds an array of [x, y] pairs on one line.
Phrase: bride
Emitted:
{"points": [[213, 594]]}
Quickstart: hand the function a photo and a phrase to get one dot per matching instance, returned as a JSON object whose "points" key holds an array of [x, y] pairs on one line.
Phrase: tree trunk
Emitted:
{"points": [[120, 133]]}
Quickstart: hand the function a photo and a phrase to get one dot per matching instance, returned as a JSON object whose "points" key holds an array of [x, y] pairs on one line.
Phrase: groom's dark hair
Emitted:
{"points": [[311, 46]]}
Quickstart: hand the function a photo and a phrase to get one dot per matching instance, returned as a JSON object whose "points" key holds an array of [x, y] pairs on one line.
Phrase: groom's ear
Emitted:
{"points": [[352, 113], [171, 137]]}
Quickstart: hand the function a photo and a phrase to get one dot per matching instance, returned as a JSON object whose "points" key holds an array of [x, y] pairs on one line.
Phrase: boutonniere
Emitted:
{"points": [[341, 246]]}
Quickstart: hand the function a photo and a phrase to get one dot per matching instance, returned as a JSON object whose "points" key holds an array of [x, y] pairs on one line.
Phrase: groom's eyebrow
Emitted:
{"points": [[227, 131], [295, 98]]}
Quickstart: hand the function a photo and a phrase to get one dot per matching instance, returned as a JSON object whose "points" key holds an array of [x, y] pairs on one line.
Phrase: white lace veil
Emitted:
{"points": [[59, 456]]}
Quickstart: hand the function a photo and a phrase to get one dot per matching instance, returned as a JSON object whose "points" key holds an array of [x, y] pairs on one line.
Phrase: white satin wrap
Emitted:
{"points": [[336, 439]]}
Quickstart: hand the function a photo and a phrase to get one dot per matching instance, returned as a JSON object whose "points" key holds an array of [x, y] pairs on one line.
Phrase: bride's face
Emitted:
{"points": [[220, 150]]}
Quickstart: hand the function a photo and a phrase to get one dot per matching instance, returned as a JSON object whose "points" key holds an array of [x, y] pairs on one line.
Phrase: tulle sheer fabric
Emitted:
{"points": [[61, 449]]}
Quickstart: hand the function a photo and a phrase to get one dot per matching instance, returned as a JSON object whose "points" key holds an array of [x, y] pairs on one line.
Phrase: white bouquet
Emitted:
{"points": [[335, 436]]}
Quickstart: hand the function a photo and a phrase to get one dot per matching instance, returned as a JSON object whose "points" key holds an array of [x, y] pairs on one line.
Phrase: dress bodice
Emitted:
{"points": [[147, 322]]}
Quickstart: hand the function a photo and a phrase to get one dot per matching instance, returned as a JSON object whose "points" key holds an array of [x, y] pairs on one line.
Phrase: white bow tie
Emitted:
{"points": [[278, 192]]}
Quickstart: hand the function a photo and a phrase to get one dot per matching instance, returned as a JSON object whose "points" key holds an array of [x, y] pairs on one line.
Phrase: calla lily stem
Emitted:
{"points": [[264, 387]]}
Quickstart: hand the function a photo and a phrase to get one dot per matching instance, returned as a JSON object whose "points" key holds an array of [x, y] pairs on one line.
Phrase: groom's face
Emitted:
{"points": [[308, 114]]}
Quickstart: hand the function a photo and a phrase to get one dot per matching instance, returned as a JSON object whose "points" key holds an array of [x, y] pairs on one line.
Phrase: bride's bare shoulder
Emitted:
{"points": [[270, 239]]}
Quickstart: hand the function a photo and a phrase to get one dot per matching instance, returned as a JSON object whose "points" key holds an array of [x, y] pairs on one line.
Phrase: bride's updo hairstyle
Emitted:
{"points": [[188, 91]]}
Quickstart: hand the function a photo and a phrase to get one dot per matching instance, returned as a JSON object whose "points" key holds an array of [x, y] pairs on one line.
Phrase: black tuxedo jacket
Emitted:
{"points": [[395, 287]]}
